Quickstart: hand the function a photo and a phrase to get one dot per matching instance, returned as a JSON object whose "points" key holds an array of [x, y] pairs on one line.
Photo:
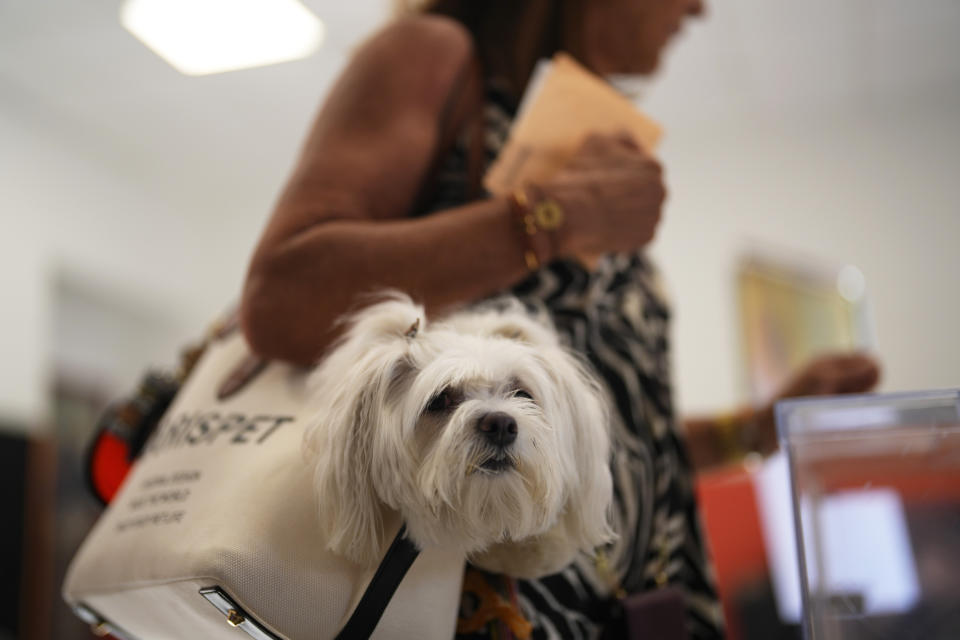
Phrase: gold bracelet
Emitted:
{"points": [[736, 436], [727, 437], [520, 206], [545, 215]]}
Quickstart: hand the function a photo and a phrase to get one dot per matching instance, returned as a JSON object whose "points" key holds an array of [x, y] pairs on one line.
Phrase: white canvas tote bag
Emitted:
{"points": [[215, 533]]}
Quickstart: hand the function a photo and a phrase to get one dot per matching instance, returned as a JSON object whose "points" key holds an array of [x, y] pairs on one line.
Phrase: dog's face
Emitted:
{"points": [[479, 430]]}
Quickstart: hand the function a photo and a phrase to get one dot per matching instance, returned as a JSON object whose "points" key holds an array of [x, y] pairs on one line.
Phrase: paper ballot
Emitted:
{"points": [[562, 105]]}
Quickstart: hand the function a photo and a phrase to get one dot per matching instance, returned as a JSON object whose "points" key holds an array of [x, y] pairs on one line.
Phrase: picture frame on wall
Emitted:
{"points": [[793, 309]]}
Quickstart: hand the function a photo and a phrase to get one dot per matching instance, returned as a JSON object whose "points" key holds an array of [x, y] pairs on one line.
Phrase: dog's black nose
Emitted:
{"points": [[499, 428]]}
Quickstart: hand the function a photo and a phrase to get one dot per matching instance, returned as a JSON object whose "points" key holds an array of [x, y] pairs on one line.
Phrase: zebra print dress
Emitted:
{"points": [[615, 315]]}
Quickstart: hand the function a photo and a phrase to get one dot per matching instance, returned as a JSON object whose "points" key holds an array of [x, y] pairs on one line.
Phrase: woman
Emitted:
{"points": [[385, 195]]}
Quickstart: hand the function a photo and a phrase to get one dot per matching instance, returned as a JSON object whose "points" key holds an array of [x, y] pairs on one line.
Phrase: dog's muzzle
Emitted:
{"points": [[499, 429]]}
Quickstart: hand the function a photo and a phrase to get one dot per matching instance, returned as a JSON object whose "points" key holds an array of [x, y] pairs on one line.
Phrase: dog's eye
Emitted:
{"points": [[522, 393], [443, 401]]}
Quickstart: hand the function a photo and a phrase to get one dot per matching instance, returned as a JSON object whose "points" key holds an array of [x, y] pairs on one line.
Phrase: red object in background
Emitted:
{"points": [[731, 521], [108, 464], [124, 429]]}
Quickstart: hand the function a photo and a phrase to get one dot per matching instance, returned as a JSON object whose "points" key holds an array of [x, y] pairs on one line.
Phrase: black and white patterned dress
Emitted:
{"points": [[615, 315]]}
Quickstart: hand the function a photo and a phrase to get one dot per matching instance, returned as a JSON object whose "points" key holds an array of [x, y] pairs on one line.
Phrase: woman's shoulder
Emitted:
{"points": [[423, 43], [438, 33], [414, 64]]}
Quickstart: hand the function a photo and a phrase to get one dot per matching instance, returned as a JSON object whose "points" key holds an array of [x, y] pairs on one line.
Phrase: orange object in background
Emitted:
{"points": [[731, 522]]}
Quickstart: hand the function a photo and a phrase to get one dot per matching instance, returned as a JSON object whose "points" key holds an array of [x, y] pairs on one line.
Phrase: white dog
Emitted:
{"points": [[480, 430]]}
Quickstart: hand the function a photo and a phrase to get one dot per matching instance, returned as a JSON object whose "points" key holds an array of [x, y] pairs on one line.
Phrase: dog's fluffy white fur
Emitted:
{"points": [[396, 430]]}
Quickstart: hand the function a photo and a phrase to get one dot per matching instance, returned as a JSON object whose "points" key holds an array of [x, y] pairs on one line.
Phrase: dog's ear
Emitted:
{"points": [[394, 315], [513, 323], [587, 514], [337, 443], [524, 330], [349, 390]]}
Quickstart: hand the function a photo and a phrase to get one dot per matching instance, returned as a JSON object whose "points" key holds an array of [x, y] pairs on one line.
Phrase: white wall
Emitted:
{"points": [[67, 215], [156, 210], [877, 187]]}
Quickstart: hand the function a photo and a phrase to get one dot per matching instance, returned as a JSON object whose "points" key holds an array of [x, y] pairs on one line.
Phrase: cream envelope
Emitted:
{"points": [[564, 104]]}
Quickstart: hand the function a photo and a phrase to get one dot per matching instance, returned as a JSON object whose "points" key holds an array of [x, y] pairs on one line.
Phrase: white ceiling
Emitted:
{"points": [[71, 66], [71, 69]]}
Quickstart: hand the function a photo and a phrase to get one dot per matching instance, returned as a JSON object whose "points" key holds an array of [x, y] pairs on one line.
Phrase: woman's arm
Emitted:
{"points": [[293, 296], [340, 227], [714, 441]]}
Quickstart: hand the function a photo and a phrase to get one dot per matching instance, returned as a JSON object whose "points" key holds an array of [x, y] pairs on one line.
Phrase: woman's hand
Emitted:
{"points": [[833, 374], [829, 374], [612, 192]]}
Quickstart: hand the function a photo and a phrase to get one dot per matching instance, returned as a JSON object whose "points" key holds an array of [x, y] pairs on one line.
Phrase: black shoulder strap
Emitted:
{"points": [[394, 566]]}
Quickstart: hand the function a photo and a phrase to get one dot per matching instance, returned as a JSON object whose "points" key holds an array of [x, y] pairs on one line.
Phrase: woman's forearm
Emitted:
{"points": [[726, 438], [296, 289]]}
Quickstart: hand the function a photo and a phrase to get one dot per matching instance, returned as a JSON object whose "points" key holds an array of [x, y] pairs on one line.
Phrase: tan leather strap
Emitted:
{"points": [[241, 375]]}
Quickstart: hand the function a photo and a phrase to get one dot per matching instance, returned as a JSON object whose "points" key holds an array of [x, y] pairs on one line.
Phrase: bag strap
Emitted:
{"points": [[394, 566]]}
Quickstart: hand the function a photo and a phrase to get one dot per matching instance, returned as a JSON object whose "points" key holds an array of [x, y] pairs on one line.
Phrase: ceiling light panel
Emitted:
{"points": [[199, 37]]}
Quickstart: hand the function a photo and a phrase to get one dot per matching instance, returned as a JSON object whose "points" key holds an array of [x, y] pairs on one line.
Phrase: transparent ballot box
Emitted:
{"points": [[875, 482]]}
